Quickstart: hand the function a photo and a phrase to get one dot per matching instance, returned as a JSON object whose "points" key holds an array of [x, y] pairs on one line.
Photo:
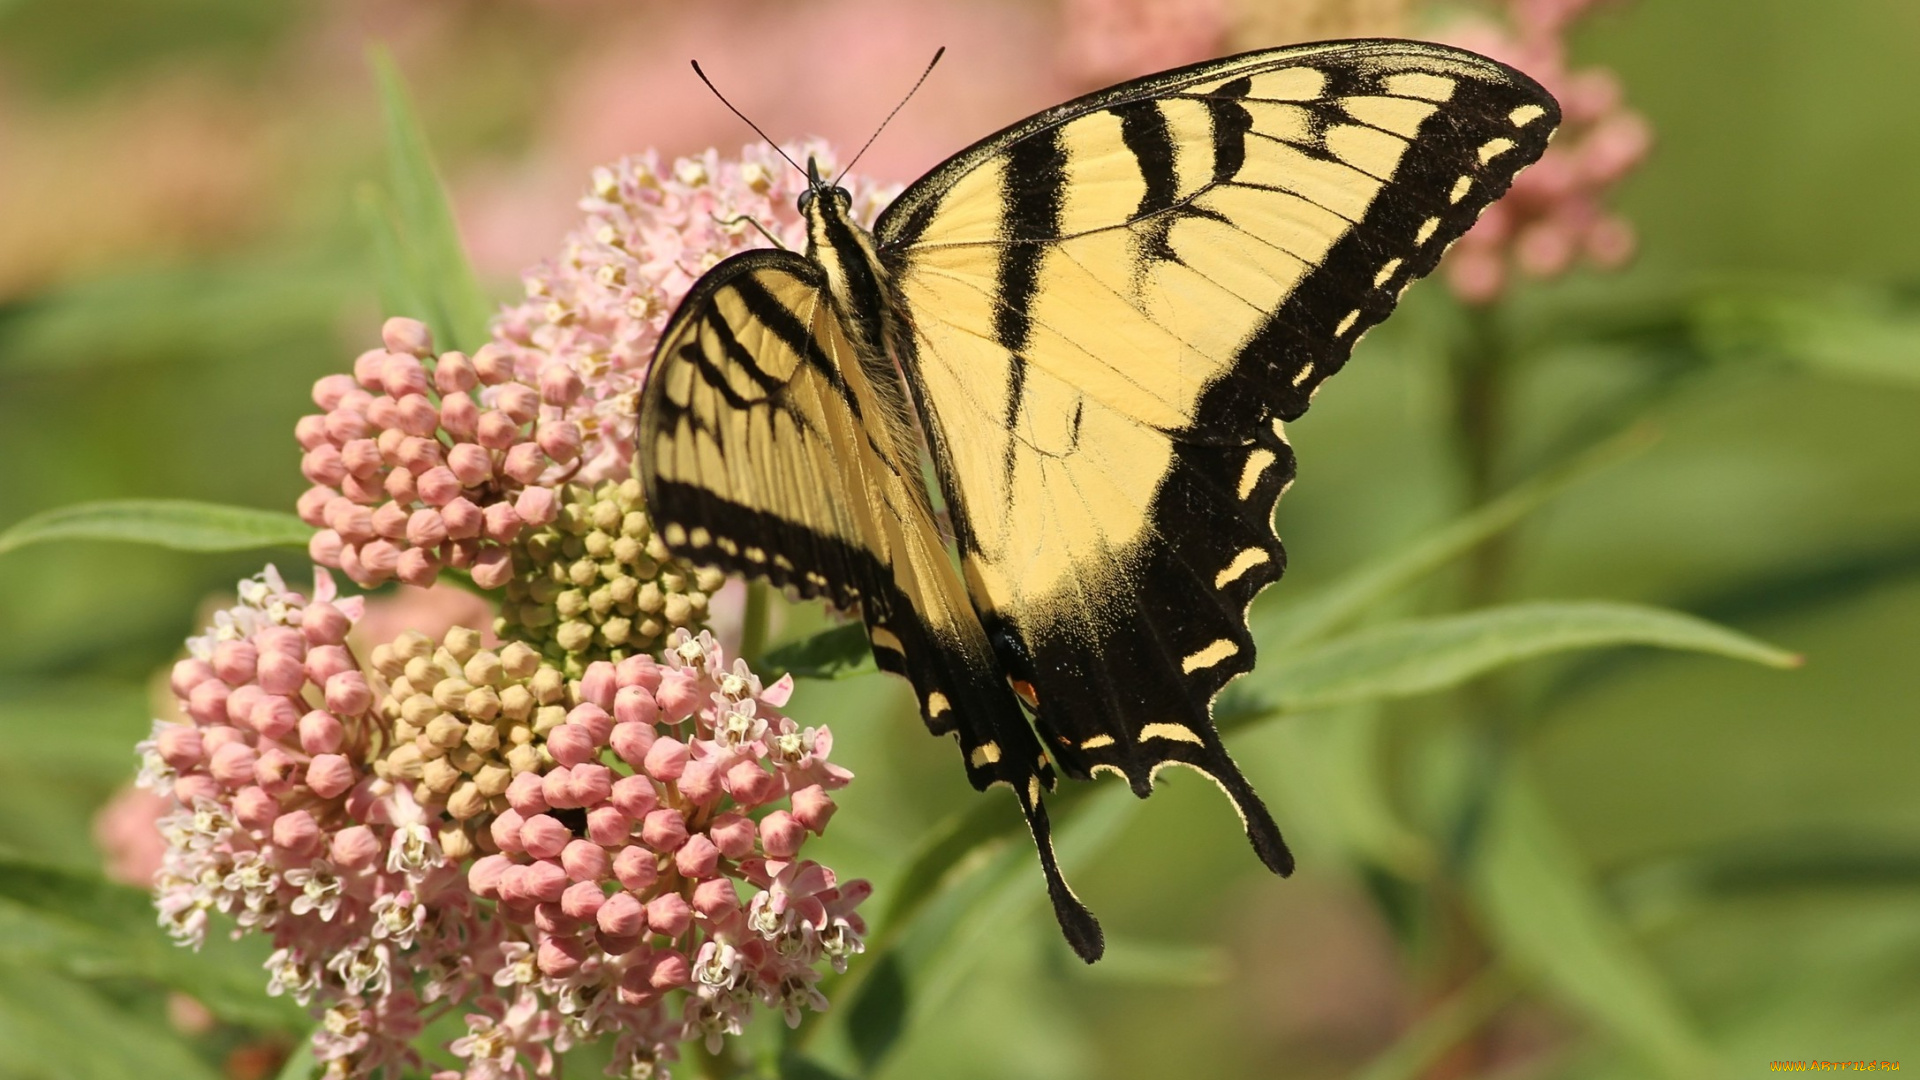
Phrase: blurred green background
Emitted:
{"points": [[180, 258]]}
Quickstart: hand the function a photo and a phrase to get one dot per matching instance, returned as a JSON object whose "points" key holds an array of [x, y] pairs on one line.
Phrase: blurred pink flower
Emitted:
{"points": [[597, 310], [127, 832], [431, 611], [1555, 215], [1107, 41]]}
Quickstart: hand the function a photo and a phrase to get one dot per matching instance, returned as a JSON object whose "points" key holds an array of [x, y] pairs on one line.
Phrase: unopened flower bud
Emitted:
{"points": [[545, 881], [438, 487], [700, 782], [733, 834], [697, 858], [669, 914], [634, 796], [232, 764], [347, 692], [667, 759], [329, 775], [462, 518], [254, 808], [537, 506], [780, 835], [677, 696], [543, 836], [715, 899], [585, 860], [622, 915], [179, 746], [524, 462], [483, 878], [813, 808], [664, 830], [355, 846], [635, 868], [296, 832], [750, 784]]}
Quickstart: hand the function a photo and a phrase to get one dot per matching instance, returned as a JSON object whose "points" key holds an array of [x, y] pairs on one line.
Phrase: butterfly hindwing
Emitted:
{"points": [[1115, 304], [766, 449]]}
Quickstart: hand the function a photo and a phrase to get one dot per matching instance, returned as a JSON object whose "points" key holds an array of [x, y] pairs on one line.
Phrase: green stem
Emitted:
{"points": [[753, 622]]}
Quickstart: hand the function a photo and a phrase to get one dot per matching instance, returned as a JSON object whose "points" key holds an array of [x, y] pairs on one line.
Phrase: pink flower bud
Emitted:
{"points": [[355, 846], [492, 568], [697, 858], [196, 788], [321, 733], [352, 521], [496, 430], [219, 735], [635, 705], [813, 808], [284, 639], [585, 860], [390, 520], [425, 529], [636, 868], [633, 796], [472, 464], [418, 455], [583, 900], [274, 717], [781, 836], [347, 692], [404, 376], [641, 671], [462, 518], [417, 567], [733, 834], [453, 374], [677, 696], [525, 463], [438, 486], [383, 414], [360, 491], [544, 881], [502, 523], [323, 465], [519, 401], [608, 825], [664, 830], [208, 702], [330, 775], [622, 915], [632, 740], [326, 547], [232, 764], [361, 457], [614, 944], [324, 624], [524, 794], [345, 424], [483, 878], [404, 335], [559, 957], [715, 899], [241, 701], [560, 439], [330, 390], [570, 745], [752, 785], [188, 674], [179, 746], [312, 505], [667, 759], [296, 832], [554, 920], [512, 888], [590, 784], [669, 914], [255, 808], [367, 367], [560, 384], [669, 969], [537, 506], [310, 431], [281, 673], [380, 558], [233, 661], [277, 771], [493, 364], [543, 836], [700, 782], [506, 829], [589, 716], [400, 484], [460, 417]]}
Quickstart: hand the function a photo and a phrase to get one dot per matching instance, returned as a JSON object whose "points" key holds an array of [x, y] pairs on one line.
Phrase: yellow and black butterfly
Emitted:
{"points": [[1095, 322]]}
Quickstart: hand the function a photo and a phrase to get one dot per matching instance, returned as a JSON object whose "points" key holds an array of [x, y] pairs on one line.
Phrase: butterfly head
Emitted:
{"points": [[837, 197]]}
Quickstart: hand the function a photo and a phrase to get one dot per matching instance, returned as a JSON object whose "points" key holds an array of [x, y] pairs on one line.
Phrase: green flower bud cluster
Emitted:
{"points": [[598, 584], [466, 721]]}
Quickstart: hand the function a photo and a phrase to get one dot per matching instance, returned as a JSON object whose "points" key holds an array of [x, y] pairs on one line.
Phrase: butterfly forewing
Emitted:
{"points": [[1115, 304]]}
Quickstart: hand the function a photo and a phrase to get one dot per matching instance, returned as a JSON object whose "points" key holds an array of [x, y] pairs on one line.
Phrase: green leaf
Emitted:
{"points": [[1342, 602], [94, 928], [1334, 789], [77, 727], [393, 270], [838, 653], [1852, 334], [1137, 962], [52, 1026], [300, 1063], [1414, 1054], [172, 523], [1547, 919], [438, 272], [1417, 656]]}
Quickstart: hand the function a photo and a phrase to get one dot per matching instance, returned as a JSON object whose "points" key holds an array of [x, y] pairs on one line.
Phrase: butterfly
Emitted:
{"points": [[1094, 324]]}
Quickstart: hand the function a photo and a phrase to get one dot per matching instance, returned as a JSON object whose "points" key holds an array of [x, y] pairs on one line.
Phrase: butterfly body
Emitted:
{"points": [[1097, 323]]}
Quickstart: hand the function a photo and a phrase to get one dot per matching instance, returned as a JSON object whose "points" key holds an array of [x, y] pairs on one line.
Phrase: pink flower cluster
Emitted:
{"points": [[1106, 41], [412, 470], [625, 858], [1555, 213], [274, 820], [651, 231]]}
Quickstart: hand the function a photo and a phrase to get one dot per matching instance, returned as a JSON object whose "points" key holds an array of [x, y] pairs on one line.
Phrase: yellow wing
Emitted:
{"points": [[1114, 306], [768, 448]]}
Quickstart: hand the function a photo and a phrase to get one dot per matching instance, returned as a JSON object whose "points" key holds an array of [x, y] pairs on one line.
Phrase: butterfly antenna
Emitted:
{"points": [[743, 116], [937, 54]]}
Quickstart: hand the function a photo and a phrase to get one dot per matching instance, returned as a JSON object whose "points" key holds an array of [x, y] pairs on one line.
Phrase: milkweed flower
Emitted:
{"points": [[652, 229], [421, 460], [1555, 214]]}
